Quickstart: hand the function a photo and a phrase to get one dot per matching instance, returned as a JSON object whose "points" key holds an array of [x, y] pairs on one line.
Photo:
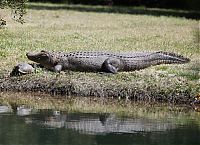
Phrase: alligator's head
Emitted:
{"points": [[43, 57]]}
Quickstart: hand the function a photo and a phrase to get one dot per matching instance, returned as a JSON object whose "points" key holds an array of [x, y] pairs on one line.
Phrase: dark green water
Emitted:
{"points": [[25, 126]]}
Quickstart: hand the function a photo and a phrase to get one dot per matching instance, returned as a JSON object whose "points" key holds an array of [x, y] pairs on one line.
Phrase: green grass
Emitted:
{"points": [[67, 30], [79, 28]]}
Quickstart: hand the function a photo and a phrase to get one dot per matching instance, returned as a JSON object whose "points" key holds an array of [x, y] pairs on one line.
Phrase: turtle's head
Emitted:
{"points": [[43, 57]]}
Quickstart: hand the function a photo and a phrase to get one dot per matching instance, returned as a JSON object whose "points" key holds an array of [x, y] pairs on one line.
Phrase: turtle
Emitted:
{"points": [[22, 69]]}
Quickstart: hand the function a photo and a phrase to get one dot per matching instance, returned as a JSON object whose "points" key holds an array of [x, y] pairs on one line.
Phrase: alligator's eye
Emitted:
{"points": [[44, 55], [43, 51]]}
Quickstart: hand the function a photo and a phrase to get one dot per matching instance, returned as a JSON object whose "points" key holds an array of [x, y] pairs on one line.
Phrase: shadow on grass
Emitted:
{"points": [[121, 10]]}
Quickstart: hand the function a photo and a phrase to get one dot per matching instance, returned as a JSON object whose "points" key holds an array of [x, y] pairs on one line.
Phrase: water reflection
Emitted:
{"points": [[20, 110], [111, 124], [24, 110], [100, 123], [25, 125], [5, 109]]}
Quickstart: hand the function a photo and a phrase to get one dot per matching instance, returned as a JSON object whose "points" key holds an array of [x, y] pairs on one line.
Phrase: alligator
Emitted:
{"points": [[103, 61]]}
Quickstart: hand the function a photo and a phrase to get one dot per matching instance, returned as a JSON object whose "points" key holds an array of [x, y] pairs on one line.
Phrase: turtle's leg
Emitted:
{"points": [[111, 65]]}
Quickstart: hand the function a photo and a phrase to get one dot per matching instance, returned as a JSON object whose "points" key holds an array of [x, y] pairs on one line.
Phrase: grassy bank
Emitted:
{"points": [[66, 28], [128, 86]]}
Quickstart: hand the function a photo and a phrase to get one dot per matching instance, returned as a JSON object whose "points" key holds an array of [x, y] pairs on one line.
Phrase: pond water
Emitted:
{"points": [[26, 126]]}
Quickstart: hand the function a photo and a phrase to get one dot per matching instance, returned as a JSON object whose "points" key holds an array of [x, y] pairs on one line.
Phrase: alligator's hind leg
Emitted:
{"points": [[111, 65]]}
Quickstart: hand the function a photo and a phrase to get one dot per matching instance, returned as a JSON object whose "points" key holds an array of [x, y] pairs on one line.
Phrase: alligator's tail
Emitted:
{"points": [[168, 58]]}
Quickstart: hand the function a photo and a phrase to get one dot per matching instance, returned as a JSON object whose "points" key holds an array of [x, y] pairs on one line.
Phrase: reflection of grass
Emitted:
{"points": [[180, 114], [52, 27]]}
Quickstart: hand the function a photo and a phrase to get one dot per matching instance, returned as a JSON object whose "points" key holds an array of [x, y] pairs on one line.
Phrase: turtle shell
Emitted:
{"points": [[25, 68], [22, 68]]}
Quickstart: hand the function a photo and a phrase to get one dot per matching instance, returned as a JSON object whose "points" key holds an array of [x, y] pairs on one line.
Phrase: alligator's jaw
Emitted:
{"points": [[43, 57], [31, 56], [38, 57]]}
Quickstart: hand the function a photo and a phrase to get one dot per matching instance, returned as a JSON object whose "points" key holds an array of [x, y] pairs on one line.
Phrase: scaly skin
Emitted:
{"points": [[103, 61]]}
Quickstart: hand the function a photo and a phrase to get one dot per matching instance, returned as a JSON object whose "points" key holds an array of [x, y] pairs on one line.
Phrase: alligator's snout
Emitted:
{"points": [[32, 56], [29, 54], [38, 57]]}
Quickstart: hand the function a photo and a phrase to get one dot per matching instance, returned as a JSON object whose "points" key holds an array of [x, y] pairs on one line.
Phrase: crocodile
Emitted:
{"points": [[103, 61]]}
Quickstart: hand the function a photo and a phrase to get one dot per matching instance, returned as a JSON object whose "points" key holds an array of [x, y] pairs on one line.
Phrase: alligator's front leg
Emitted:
{"points": [[112, 65]]}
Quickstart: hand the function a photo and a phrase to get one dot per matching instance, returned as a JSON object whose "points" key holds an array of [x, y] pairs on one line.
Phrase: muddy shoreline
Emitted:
{"points": [[142, 88]]}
